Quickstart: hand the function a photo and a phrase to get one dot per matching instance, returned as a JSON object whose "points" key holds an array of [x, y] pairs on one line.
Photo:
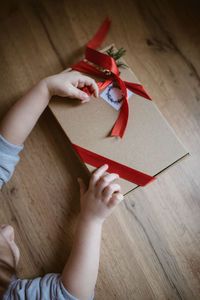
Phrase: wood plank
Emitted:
{"points": [[150, 246]]}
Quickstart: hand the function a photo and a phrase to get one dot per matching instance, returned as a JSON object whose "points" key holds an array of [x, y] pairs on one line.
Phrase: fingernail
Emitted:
{"points": [[85, 96]]}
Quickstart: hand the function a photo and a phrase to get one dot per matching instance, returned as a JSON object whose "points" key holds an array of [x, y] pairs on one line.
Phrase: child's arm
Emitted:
{"points": [[97, 202], [21, 118]]}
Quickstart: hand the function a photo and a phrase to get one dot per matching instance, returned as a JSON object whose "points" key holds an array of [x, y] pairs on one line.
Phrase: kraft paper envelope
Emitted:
{"points": [[149, 144]]}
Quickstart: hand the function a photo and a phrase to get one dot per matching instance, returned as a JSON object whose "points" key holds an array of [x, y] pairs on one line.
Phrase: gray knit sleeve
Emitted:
{"points": [[49, 287], [9, 157]]}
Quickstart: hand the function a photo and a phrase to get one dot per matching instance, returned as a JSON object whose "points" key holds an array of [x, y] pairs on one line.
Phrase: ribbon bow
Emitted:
{"points": [[111, 74]]}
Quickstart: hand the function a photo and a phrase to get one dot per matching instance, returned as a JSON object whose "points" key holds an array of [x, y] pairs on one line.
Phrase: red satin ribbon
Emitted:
{"points": [[112, 74], [125, 172]]}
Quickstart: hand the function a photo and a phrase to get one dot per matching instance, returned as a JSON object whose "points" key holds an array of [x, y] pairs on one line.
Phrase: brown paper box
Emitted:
{"points": [[149, 144]]}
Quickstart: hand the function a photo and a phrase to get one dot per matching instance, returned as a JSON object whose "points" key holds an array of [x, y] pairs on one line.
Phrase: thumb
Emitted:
{"points": [[82, 186], [78, 94]]}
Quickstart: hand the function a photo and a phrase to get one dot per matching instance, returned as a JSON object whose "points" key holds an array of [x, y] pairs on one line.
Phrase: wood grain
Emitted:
{"points": [[151, 244]]}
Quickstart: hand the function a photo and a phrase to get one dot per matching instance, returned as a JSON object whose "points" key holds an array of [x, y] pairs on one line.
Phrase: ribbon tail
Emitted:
{"points": [[99, 37], [121, 123], [137, 89]]}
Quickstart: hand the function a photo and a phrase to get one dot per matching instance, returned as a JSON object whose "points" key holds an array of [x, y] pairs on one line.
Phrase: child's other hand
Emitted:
{"points": [[68, 84], [101, 197]]}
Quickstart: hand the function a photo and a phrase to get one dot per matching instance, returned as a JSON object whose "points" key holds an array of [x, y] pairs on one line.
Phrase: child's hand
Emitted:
{"points": [[68, 84], [100, 199]]}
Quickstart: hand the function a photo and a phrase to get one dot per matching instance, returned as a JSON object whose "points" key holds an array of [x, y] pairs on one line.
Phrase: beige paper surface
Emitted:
{"points": [[149, 144]]}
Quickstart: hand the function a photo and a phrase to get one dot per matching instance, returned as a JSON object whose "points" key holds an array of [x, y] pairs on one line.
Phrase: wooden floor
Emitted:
{"points": [[151, 244]]}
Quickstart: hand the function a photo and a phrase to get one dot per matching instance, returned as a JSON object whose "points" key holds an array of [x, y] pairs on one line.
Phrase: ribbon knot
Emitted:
{"points": [[110, 74]]}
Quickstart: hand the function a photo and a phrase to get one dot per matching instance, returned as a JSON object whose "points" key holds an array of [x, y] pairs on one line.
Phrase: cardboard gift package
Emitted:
{"points": [[149, 144]]}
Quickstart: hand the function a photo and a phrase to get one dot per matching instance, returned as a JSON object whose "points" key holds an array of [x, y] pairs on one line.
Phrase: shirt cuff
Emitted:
{"points": [[68, 295], [7, 147]]}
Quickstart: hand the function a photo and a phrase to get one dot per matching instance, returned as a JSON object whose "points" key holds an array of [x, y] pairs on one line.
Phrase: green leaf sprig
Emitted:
{"points": [[116, 55]]}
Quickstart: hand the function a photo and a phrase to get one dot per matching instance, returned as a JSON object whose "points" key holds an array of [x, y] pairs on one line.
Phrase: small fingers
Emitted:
{"points": [[87, 81], [104, 181], [97, 175], [110, 190], [74, 92], [95, 88], [80, 84], [116, 199]]}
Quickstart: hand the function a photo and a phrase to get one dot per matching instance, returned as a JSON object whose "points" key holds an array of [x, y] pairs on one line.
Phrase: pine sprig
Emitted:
{"points": [[116, 55]]}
